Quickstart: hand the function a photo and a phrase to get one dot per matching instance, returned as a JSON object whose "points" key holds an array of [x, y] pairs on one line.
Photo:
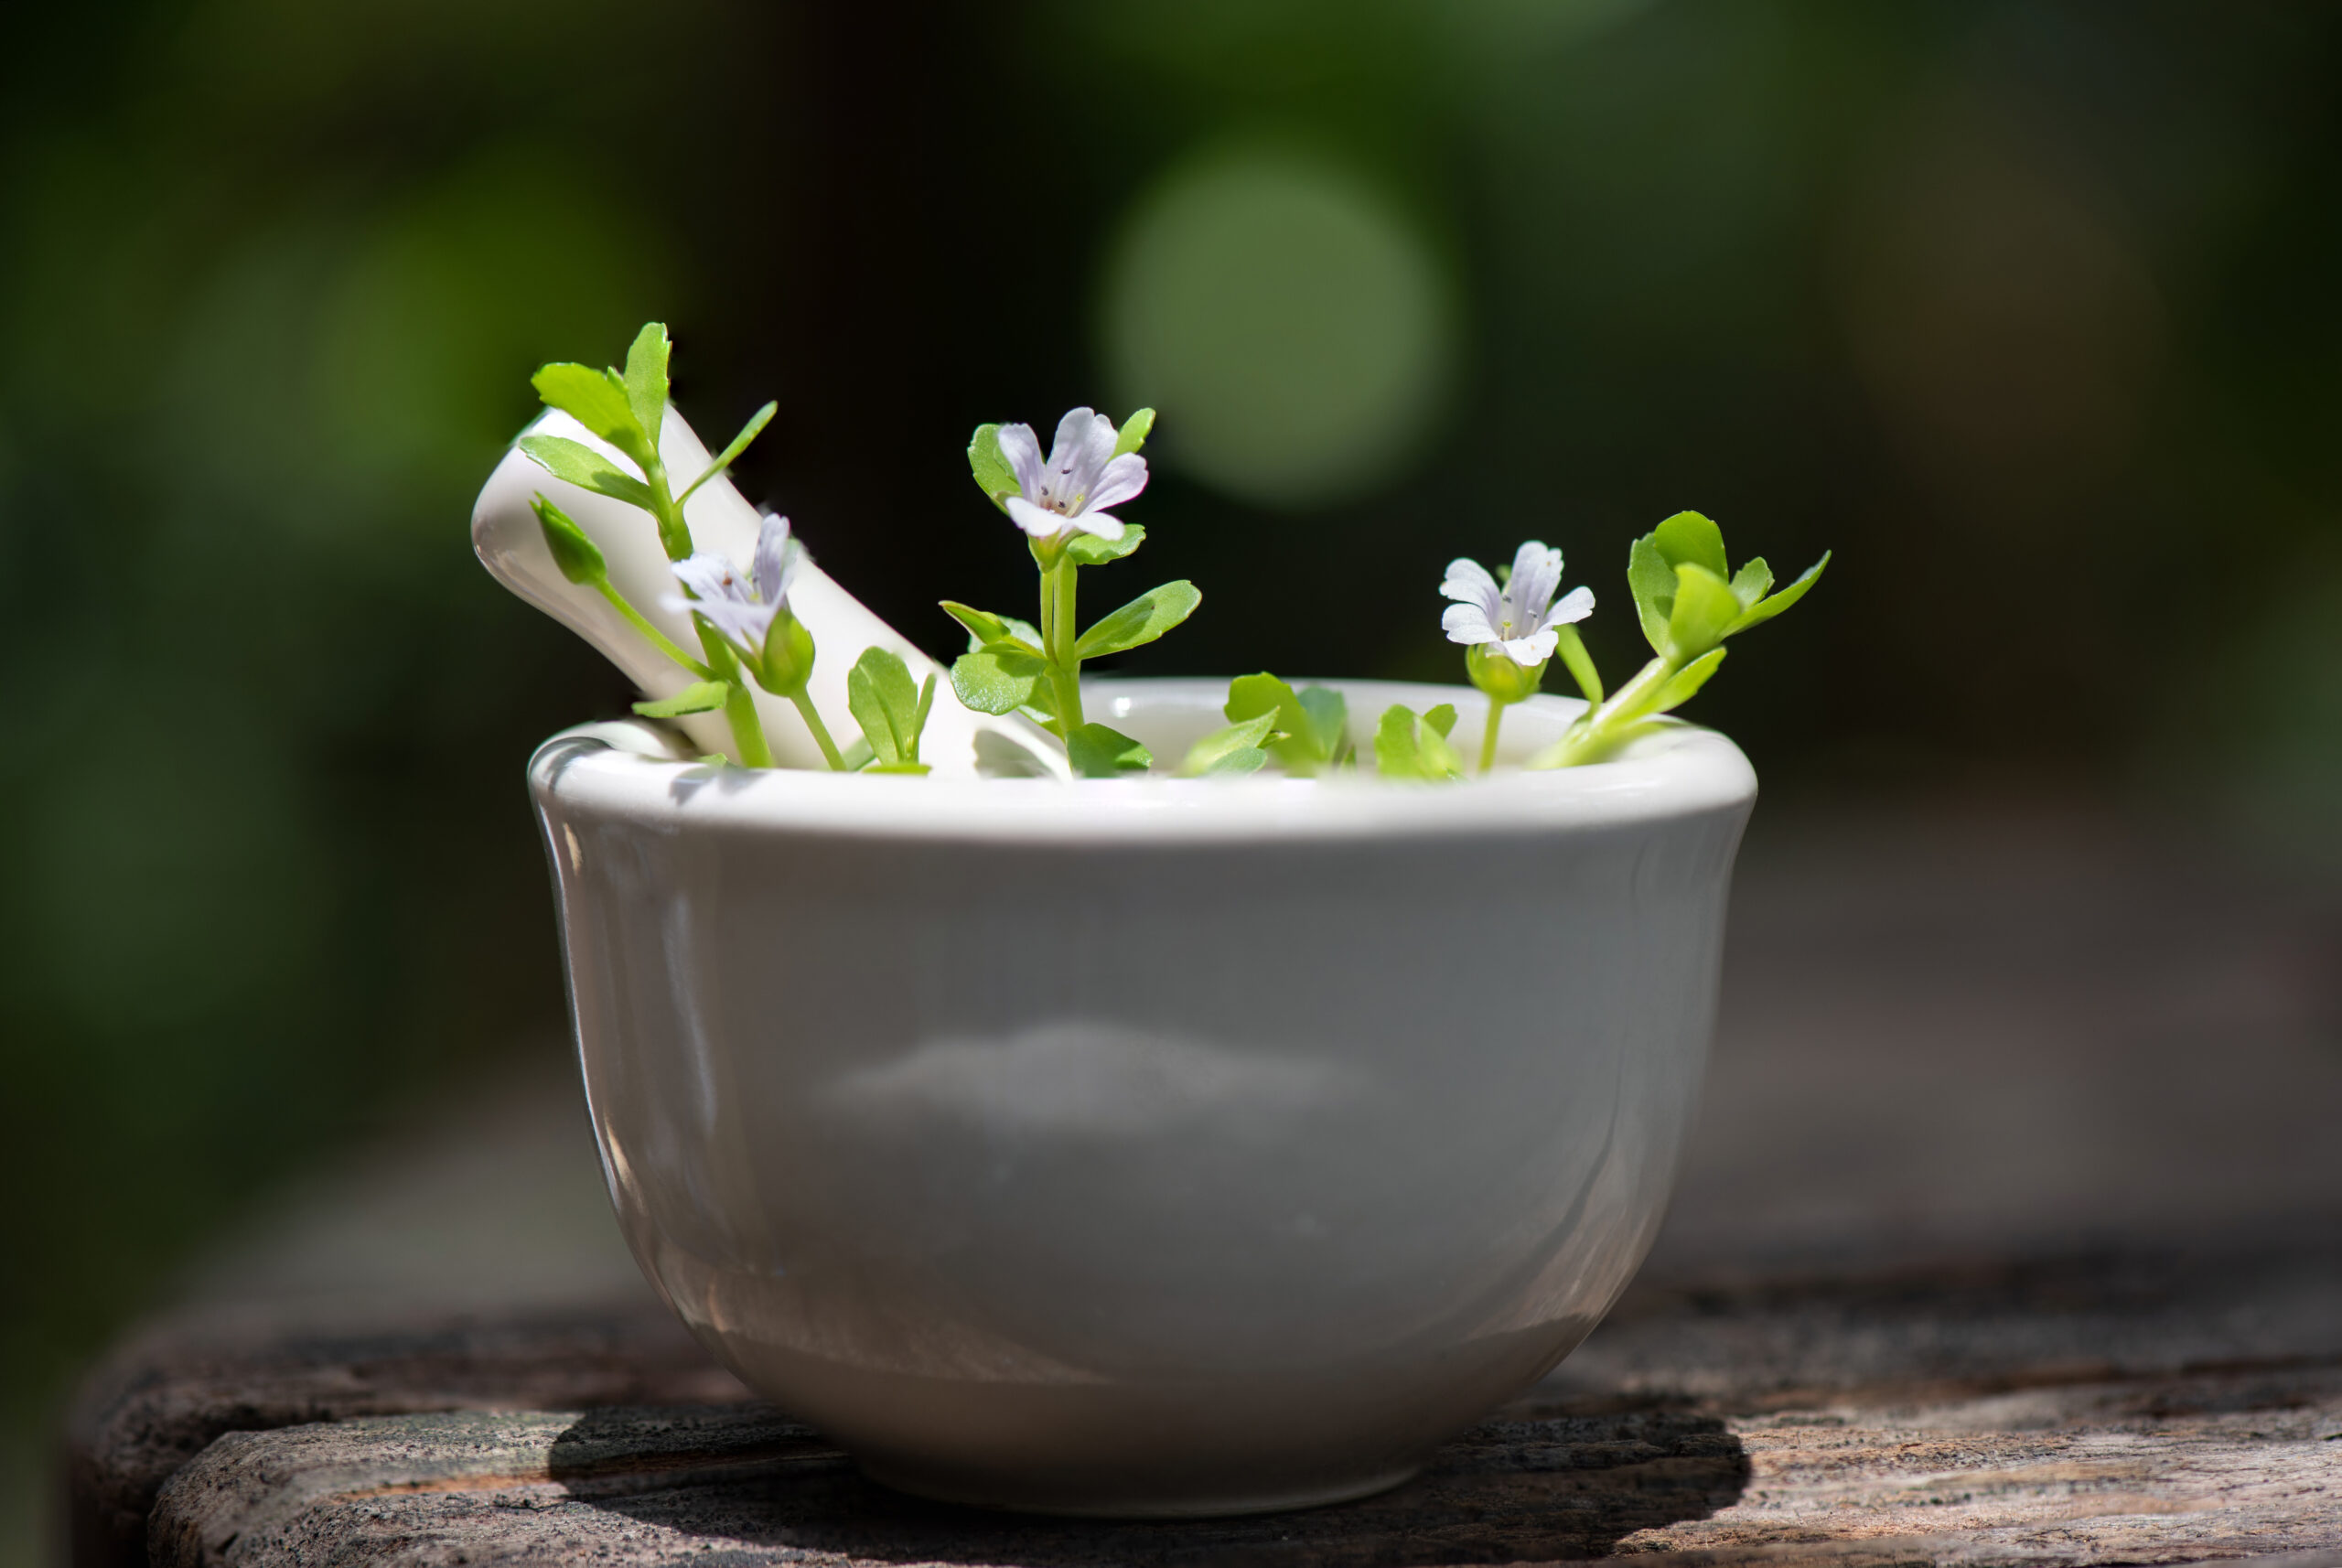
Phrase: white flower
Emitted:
{"points": [[1081, 478], [1519, 617], [741, 608]]}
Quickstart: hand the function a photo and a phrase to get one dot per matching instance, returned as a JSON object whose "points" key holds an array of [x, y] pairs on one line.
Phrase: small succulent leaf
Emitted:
{"points": [[856, 755], [645, 381], [918, 715], [582, 466], [1299, 747], [885, 702], [1652, 582], [1097, 752], [724, 459], [1088, 550], [1134, 433], [577, 556], [1764, 610], [1140, 621], [1752, 581], [1688, 680], [594, 400], [1394, 743], [1438, 759], [993, 474], [1688, 537], [699, 697], [984, 628], [911, 768], [1239, 748], [1704, 610], [1327, 718], [1408, 748], [997, 679]]}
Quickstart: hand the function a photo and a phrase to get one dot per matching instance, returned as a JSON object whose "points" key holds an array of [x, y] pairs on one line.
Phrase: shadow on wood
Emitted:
{"points": [[1533, 1490]]}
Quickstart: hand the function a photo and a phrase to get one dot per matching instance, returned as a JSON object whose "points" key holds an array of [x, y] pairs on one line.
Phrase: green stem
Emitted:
{"points": [[657, 638], [1057, 640], [1603, 727], [804, 701], [674, 533], [1488, 738], [740, 702], [1580, 664]]}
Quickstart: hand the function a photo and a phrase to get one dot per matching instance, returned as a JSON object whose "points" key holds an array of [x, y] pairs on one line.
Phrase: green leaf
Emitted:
{"points": [[1687, 537], [856, 757], [1305, 745], [1239, 748], [1097, 752], [577, 556], [1411, 749], [699, 697], [884, 700], [1652, 582], [1088, 550], [645, 381], [1750, 582], [597, 400], [1688, 680], [997, 678], [1134, 431], [1327, 719], [1765, 609], [581, 465], [1140, 621], [1704, 610], [985, 627], [724, 459], [900, 768], [1580, 664], [993, 474]]}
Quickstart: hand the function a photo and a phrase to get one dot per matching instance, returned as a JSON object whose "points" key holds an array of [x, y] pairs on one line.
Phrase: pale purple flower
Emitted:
{"points": [[1080, 479], [741, 608], [1519, 617]]}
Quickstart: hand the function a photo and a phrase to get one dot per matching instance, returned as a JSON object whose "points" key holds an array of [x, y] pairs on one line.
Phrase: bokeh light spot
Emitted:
{"points": [[1297, 331]]}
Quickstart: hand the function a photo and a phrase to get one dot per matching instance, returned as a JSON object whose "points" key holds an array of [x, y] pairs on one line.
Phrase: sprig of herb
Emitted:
{"points": [[1059, 501], [1689, 601]]}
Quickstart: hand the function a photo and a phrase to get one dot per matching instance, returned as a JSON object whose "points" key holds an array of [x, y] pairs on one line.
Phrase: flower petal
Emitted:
{"points": [[1098, 522], [1120, 479], [1536, 575], [1085, 441], [1022, 449], [711, 577], [773, 564], [1531, 650], [1038, 521], [1467, 624], [1573, 606], [1468, 583]]}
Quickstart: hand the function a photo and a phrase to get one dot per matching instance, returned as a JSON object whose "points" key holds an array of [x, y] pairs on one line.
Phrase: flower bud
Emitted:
{"points": [[1499, 676], [787, 662]]}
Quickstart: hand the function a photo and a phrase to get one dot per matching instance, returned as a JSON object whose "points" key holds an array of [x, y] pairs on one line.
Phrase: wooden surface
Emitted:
{"points": [[2111, 1408], [2012, 1233]]}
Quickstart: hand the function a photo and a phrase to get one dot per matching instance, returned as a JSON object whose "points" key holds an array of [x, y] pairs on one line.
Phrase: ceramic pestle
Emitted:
{"points": [[506, 535]]}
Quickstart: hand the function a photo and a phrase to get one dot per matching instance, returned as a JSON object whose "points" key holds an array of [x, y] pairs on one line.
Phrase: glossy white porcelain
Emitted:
{"points": [[1146, 1147]]}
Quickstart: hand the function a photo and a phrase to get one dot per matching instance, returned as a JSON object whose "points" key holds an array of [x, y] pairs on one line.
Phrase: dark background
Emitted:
{"points": [[2028, 310]]}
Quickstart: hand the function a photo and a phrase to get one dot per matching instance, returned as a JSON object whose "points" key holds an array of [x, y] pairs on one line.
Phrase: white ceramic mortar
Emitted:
{"points": [[1143, 1146]]}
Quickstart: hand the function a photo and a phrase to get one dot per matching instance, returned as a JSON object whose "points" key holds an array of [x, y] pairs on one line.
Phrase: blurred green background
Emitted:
{"points": [[2029, 310]]}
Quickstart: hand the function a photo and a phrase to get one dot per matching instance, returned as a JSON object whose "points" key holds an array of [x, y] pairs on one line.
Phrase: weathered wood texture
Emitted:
{"points": [[2114, 1409]]}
